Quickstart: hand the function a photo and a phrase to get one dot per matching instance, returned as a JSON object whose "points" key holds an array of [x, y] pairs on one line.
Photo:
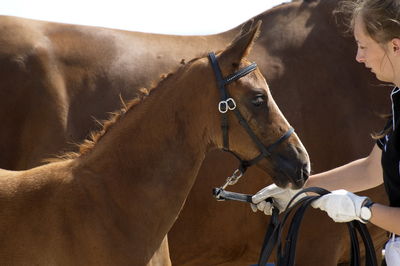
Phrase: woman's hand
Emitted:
{"points": [[341, 205], [280, 198]]}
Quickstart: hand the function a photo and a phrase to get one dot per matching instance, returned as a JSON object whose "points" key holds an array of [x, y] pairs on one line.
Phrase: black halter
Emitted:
{"points": [[227, 103]]}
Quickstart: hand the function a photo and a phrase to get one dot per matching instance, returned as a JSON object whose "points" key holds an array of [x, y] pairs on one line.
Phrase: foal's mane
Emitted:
{"points": [[95, 136]]}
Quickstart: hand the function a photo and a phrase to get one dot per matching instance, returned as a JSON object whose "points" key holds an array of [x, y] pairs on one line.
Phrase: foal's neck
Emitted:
{"points": [[165, 134], [149, 159]]}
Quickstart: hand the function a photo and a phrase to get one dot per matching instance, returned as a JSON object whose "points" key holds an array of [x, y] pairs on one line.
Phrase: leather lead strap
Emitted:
{"points": [[286, 255]]}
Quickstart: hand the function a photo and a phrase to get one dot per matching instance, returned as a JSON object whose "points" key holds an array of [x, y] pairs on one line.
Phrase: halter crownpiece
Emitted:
{"points": [[226, 104]]}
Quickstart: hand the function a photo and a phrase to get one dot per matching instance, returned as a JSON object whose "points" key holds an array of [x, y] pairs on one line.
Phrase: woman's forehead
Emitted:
{"points": [[359, 28]]}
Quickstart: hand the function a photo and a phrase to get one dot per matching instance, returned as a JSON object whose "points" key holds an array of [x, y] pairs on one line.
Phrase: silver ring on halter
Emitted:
{"points": [[228, 104], [233, 179]]}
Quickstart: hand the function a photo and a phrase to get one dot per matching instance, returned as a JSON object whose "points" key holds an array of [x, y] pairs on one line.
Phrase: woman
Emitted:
{"points": [[376, 28]]}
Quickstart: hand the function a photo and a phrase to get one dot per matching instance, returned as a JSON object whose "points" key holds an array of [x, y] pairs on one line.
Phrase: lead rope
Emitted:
{"points": [[286, 255]]}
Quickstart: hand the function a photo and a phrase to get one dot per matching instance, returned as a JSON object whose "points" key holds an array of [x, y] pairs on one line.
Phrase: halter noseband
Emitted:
{"points": [[227, 103]]}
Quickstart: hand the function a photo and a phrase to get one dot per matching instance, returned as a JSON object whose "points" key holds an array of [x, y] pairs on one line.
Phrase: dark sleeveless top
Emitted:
{"points": [[390, 146]]}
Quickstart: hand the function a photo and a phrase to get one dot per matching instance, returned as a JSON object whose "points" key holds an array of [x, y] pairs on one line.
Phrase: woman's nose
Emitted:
{"points": [[359, 56]]}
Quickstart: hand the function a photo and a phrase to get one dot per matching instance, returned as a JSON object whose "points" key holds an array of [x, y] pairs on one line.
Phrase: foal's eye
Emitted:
{"points": [[258, 100]]}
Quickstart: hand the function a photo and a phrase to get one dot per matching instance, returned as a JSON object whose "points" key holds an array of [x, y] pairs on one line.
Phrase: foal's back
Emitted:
{"points": [[47, 218], [32, 207]]}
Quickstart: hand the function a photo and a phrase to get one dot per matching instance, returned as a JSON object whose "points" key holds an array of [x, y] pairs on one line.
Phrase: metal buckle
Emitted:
{"points": [[233, 178], [228, 104], [231, 103], [222, 107]]}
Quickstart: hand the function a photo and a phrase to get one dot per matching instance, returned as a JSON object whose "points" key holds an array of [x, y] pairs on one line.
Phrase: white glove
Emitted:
{"points": [[341, 205], [280, 198]]}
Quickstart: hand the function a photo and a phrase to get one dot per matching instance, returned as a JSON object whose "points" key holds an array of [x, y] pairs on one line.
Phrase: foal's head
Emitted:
{"points": [[283, 156]]}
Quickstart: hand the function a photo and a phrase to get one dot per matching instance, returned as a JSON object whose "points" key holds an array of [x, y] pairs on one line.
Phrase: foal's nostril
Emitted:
{"points": [[305, 172]]}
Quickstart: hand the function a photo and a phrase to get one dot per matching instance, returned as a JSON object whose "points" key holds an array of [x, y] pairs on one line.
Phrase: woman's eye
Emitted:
{"points": [[258, 100], [361, 47]]}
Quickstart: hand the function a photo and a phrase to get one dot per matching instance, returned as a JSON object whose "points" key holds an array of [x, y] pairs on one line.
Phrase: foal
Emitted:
{"points": [[114, 203]]}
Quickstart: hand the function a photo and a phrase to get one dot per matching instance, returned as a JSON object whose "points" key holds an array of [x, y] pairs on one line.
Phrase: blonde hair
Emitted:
{"points": [[381, 18]]}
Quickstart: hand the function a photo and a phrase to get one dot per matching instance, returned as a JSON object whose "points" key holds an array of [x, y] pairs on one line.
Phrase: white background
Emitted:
{"points": [[158, 16]]}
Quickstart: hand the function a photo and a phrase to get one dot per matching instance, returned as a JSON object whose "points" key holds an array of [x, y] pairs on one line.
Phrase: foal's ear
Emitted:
{"points": [[241, 45]]}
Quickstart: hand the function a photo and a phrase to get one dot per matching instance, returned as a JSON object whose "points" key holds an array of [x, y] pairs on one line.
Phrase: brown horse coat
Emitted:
{"points": [[54, 78], [115, 202]]}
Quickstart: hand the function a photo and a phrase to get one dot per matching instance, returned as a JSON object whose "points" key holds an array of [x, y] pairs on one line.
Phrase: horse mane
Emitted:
{"points": [[94, 137]]}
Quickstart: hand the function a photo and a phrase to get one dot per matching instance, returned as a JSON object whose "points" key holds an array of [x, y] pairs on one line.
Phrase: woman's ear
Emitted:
{"points": [[395, 43]]}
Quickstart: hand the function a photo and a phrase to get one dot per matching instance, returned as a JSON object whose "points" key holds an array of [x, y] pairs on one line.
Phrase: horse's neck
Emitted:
{"points": [[149, 159]]}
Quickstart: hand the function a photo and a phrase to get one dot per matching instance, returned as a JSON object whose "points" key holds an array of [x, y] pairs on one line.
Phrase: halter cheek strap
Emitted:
{"points": [[226, 104]]}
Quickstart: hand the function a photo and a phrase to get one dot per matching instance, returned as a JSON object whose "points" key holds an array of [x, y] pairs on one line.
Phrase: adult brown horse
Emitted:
{"points": [[56, 77], [113, 203]]}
